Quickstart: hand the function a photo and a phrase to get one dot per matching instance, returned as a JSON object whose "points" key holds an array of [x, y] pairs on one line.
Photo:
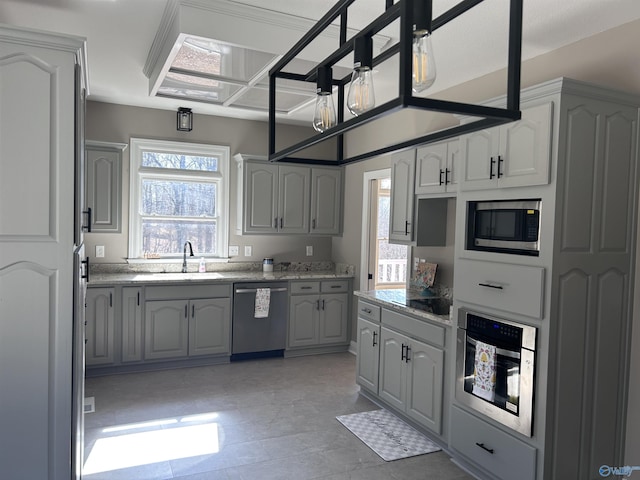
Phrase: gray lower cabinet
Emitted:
{"points": [[317, 318], [490, 448], [187, 328], [100, 320], [132, 320], [368, 359], [398, 367]]}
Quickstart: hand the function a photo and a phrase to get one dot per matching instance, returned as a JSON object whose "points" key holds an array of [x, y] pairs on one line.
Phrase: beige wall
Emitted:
{"points": [[603, 59], [117, 123]]}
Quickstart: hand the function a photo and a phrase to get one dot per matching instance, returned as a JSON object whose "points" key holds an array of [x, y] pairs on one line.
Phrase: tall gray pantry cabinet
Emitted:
{"points": [[38, 92]]}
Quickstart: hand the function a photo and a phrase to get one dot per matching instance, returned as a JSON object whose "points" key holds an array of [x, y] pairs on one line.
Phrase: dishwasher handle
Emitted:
{"points": [[255, 290]]}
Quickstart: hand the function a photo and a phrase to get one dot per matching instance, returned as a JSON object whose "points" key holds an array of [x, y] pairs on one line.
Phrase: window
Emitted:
{"points": [[179, 193]]}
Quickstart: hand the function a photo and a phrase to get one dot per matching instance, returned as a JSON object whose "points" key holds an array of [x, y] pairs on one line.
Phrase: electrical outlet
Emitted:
{"points": [[247, 250], [415, 263], [99, 251], [234, 250], [309, 250]]}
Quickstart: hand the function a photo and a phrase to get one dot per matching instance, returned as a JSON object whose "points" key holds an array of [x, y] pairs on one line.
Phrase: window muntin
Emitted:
{"points": [[179, 193]]}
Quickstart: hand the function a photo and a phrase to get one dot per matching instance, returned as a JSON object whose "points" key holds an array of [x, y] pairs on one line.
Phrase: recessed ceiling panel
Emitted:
{"points": [[258, 98], [197, 88]]}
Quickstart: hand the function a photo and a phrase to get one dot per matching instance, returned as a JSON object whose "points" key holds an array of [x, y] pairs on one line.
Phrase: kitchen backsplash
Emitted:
{"points": [[155, 267]]}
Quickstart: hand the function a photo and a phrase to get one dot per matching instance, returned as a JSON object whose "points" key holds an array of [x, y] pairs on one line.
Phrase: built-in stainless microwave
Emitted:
{"points": [[506, 226]]}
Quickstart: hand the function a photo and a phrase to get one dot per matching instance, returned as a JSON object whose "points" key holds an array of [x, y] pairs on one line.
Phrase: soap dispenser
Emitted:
{"points": [[203, 266]]}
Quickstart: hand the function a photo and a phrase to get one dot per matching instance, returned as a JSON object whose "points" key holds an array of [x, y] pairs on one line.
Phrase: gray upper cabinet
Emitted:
{"points": [[437, 168], [403, 168], [287, 199], [514, 155], [104, 185], [326, 201]]}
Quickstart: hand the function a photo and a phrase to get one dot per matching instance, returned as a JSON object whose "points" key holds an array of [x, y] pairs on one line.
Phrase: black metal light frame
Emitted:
{"points": [[403, 9]]}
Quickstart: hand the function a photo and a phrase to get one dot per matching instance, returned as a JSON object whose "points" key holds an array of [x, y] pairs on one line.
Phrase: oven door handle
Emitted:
{"points": [[503, 352]]}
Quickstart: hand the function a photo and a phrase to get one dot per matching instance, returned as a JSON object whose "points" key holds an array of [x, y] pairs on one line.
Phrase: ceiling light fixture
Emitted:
{"points": [[361, 95], [423, 62], [405, 11], [185, 120], [324, 115]]}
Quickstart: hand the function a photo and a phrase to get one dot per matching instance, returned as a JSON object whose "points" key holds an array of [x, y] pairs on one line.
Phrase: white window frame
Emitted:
{"points": [[140, 145]]}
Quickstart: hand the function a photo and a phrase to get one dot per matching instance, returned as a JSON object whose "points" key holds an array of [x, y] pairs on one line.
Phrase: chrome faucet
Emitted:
{"points": [[184, 256]]}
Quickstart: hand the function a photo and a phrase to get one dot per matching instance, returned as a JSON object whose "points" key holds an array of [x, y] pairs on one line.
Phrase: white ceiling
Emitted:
{"points": [[120, 35]]}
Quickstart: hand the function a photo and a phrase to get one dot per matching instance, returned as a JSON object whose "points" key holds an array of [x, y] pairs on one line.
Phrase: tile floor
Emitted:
{"points": [[275, 419]]}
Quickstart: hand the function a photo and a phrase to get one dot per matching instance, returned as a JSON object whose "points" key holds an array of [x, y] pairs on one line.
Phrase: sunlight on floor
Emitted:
{"points": [[142, 448]]}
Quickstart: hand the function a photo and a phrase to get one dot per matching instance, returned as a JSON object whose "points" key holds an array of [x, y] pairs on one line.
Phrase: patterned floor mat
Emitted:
{"points": [[387, 435]]}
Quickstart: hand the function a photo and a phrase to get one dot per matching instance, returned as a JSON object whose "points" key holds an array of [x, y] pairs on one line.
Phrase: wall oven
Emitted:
{"points": [[495, 361]]}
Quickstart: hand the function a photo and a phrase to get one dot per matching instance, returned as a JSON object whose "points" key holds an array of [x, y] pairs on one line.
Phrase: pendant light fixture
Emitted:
{"points": [[416, 72], [423, 62], [361, 95], [324, 116]]}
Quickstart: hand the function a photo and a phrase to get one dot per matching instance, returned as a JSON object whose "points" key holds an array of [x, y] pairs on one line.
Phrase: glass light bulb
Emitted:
{"points": [[324, 116], [361, 96], [424, 65]]}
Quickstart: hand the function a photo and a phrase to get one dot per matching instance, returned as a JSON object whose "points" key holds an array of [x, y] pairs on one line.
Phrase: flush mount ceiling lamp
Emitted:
{"points": [[416, 72], [184, 120]]}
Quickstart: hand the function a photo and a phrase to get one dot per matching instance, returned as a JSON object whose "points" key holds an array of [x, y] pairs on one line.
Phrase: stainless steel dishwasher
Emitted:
{"points": [[259, 337]]}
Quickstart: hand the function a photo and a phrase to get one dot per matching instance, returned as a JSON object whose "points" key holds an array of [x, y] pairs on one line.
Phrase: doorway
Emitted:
{"points": [[384, 265]]}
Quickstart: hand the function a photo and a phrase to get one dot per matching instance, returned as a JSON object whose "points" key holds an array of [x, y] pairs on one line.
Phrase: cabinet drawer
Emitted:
{"points": [[336, 286], [169, 292], [511, 288], [305, 287], [368, 311], [502, 454], [419, 329]]}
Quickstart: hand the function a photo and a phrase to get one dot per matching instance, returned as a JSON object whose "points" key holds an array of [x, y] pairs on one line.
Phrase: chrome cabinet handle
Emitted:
{"points": [[481, 445]]}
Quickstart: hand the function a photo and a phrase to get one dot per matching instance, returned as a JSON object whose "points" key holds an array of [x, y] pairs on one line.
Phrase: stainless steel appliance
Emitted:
{"points": [[254, 336], [506, 226], [508, 348]]}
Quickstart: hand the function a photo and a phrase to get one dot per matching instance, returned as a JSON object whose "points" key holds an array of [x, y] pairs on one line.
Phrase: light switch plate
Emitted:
{"points": [[309, 250], [99, 251], [234, 251], [247, 250]]}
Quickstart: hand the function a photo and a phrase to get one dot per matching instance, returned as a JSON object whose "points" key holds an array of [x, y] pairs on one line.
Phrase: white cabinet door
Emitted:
{"points": [[512, 155], [393, 373], [368, 354], [260, 198], [104, 185], [333, 318], [294, 199], [479, 159], [326, 201], [166, 329], [100, 326], [304, 315], [525, 148], [209, 326], [425, 385], [403, 166], [437, 168], [131, 324]]}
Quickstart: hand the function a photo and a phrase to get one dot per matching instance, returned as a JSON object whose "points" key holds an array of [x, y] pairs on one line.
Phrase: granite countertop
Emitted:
{"points": [[104, 279], [397, 299]]}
